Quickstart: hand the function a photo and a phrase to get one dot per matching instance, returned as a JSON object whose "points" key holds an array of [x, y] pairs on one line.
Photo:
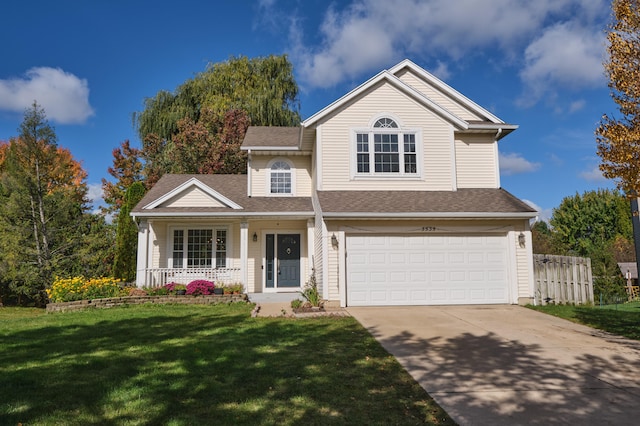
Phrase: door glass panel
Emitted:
{"points": [[270, 255]]}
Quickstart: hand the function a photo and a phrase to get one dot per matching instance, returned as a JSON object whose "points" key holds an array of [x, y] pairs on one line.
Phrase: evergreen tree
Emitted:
{"points": [[42, 200], [127, 235]]}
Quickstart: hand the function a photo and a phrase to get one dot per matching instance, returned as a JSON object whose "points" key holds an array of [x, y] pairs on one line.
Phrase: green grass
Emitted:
{"points": [[186, 365], [622, 319]]}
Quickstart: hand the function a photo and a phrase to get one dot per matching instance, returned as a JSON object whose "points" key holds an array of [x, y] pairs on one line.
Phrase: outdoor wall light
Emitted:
{"points": [[334, 241], [521, 240], [255, 237]]}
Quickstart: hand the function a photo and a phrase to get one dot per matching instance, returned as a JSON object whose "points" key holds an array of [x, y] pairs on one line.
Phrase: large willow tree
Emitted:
{"points": [[205, 118], [618, 138]]}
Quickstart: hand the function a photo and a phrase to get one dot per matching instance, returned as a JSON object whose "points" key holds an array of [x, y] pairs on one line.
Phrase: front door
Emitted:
{"points": [[282, 260]]}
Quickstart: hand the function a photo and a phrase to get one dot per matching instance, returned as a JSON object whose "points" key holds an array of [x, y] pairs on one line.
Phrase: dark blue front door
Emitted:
{"points": [[288, 260], [283, 260]]}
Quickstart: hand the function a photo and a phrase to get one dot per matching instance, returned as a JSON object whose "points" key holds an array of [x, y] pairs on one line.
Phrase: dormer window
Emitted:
{"points": [[386, 149], [280, 178]]}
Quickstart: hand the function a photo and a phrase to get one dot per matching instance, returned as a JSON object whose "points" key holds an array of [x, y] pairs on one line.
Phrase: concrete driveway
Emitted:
{"points": [[509, 365]]}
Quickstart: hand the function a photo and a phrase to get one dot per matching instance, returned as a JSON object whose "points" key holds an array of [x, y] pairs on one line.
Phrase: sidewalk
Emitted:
{"points": [[279, 305], [274, 304]]}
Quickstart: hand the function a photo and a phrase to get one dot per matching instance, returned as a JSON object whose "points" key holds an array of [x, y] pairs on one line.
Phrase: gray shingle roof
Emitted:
{"points": [[338, 203], [233, 187], [483, 201], [265, 137]]}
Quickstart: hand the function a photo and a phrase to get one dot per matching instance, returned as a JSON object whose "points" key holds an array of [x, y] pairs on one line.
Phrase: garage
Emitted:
{"points": [[426, 269]]}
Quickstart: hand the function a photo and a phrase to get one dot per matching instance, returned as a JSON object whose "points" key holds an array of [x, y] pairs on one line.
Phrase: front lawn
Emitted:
{"points": [[622, 319], [187, 365]]}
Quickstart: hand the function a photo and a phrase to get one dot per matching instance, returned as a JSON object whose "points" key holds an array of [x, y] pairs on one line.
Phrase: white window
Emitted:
{"points": [[386, 149], [280, 178], [199, 248]]}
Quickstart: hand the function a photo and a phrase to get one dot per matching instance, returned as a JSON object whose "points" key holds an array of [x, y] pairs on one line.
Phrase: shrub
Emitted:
{"points": [[310, 291], [135, 291], [79, 288], [200, 287], [156, 291], [173, 288], [296, 304]]}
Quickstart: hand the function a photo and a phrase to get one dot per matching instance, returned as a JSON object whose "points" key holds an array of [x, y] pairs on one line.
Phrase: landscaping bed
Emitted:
{"points": [[109, 302]]}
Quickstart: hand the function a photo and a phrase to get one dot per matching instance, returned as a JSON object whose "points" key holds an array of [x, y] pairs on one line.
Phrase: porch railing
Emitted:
{"points": [[157, 277]]}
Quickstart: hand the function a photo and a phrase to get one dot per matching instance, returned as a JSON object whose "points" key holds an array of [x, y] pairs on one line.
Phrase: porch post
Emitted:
{"points": [[143, 244], [244, 254]]}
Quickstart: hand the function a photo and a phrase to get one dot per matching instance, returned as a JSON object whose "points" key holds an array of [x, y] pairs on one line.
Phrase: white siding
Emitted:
{"points": [[437, 96], [192, 197], [338, 133], [523, 265], [476, 165], [260, 174]]}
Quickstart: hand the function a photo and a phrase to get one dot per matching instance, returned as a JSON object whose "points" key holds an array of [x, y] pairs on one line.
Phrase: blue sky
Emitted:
{"points": [[538, 64]]}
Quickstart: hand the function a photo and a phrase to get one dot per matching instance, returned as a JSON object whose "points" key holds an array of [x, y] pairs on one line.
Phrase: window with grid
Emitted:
{"points": [[199, 248], [363, 152], [393, 151], [178, 248], [196, 248], [280, 178], [221, 248]]}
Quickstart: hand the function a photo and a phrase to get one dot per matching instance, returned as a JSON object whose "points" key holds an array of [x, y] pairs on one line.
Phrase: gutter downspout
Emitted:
{"points": [[249, 174], [497, 157]]}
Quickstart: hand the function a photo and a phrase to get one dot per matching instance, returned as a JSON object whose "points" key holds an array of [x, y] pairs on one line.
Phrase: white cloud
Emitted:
{"points": [[64, 97], [567, 55], [513, 163], [369, 34], [441, 71], [593, 175], [95, 193], [543, 214], [577, 106]]}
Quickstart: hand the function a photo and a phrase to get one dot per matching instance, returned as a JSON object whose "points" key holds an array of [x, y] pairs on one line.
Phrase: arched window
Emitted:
{"points": [[386, 123], [280, 178], [393, 150]]}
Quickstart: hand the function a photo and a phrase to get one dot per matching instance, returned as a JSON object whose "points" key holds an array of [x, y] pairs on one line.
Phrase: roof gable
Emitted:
{"points": [[444, 89], [386, 76], [192, 193]]}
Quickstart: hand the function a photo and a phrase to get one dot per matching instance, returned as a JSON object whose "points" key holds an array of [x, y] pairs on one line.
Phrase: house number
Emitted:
{"points": [[428, 228]]}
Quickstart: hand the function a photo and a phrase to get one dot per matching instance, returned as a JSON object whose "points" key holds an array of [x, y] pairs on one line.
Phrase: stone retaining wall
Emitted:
{"points": [[139, 300]]}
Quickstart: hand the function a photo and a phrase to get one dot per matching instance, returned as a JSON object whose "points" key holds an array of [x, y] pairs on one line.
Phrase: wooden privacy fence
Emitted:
{"points": [[562, 279]]}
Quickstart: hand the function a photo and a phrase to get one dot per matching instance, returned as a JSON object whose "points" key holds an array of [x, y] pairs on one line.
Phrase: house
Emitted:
{"points": [[390, 196]]}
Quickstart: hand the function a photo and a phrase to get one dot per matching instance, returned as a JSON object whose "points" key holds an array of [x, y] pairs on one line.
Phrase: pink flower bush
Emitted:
{"points": [[200, 287]]}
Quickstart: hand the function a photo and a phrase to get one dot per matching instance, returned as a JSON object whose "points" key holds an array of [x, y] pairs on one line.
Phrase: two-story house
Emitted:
{"points": [[390, 195]]}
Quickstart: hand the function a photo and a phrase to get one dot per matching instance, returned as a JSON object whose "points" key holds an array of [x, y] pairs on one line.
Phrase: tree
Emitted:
{"points": [[42, 199], [542, 238], [124, 266], [126, 169], [199, 127], [584, 224], [595, 225], [618, 139], [263, 87]]}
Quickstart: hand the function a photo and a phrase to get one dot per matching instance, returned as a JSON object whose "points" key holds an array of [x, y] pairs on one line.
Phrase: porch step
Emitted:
{"points": [[262, 298]]}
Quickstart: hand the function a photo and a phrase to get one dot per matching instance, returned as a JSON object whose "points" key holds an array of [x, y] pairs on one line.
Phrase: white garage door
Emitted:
{"points": [[426, 270]]}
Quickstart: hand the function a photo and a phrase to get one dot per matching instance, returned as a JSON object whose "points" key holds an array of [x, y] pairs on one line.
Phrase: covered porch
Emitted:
{"points": [[158, 277], [262, 254]]}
